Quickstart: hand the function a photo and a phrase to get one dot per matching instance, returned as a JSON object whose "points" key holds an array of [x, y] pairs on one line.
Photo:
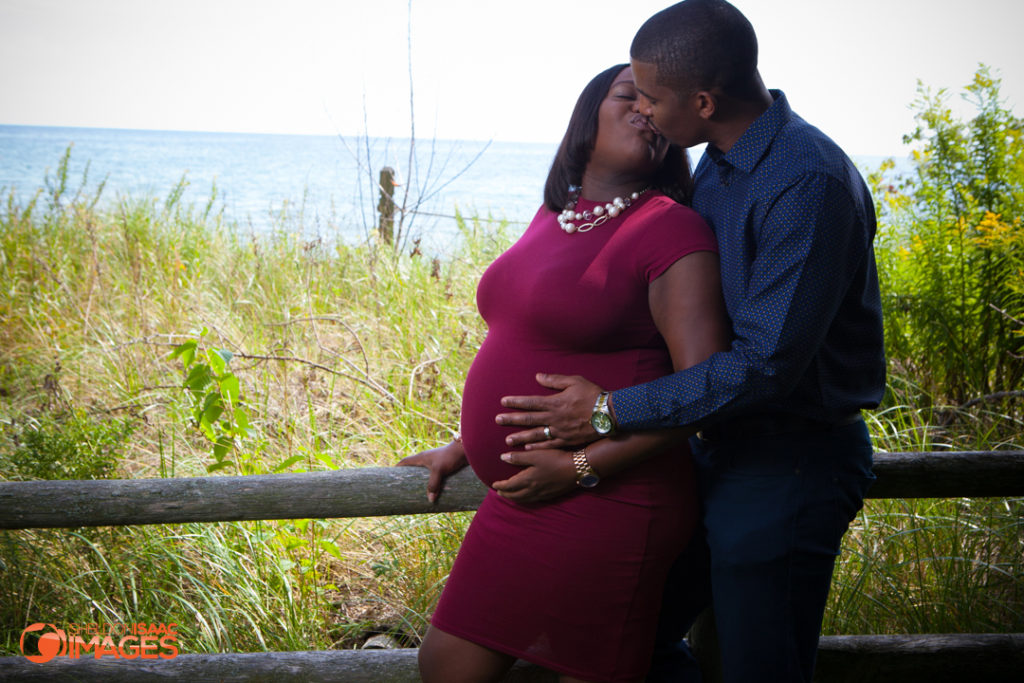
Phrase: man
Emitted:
{"points": [[783, 454]]}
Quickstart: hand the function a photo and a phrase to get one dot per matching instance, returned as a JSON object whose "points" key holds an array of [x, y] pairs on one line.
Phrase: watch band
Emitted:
{"points": [[586, 477]]}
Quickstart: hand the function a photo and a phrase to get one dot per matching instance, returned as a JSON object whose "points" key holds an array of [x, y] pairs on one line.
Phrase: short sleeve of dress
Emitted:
{"points": [[668, 231]]}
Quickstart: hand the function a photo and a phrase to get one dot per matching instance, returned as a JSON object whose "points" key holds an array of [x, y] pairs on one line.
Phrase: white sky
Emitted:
{"points": [[482, 69]]}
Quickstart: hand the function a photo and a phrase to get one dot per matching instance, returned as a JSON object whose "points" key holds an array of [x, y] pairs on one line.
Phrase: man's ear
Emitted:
{"points": [[706, 104]]}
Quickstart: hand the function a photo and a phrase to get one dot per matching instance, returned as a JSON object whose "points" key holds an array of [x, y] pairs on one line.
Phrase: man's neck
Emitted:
{"points": [[735, 117]]}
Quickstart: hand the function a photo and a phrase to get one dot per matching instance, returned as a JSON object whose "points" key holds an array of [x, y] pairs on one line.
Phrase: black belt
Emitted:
{"points": [[752, 426]]}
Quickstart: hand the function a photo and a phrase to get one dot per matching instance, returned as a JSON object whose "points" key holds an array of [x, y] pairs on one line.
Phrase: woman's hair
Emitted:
{"points": [[672, 177], [701, 45]]}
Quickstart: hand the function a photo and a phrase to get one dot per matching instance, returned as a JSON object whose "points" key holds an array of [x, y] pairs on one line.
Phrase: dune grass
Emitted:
{"points": [[346, 356]]}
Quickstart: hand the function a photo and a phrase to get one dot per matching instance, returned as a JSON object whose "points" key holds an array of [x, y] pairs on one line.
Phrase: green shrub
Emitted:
{"points": [[70, 445], [949, 249]]}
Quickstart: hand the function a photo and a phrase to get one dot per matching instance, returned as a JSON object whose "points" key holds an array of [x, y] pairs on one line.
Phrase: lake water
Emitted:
{"points": [[329, 180], [326, 178]]}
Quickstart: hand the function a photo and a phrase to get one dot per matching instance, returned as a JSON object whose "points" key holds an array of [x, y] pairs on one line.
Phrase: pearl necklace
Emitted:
{"points": [[596, 216]]}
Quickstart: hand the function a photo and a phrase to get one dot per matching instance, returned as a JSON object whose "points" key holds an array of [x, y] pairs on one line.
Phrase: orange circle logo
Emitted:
{"points": [[51, 644]]}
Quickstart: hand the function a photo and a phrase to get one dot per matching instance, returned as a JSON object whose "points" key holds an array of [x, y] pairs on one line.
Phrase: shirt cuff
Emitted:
{"points": [[631, 409]]}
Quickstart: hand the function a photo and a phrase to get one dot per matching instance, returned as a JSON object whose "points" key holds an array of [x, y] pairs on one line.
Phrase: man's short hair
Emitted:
{"points": [[700, 45]]}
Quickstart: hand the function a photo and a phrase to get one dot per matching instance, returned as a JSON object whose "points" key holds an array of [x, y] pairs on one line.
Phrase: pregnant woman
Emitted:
{"points": [[614, 279]]}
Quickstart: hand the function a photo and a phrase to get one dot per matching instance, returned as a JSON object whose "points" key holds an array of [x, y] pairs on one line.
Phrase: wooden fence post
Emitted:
{"points": [[386, 205]]}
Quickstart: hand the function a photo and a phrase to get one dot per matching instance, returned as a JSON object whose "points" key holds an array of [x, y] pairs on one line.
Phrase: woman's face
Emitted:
{"points": [[625, 142]]}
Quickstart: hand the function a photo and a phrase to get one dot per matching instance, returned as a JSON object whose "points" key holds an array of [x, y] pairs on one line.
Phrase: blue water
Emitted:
{"points": [[323, 179], [323, 185]]}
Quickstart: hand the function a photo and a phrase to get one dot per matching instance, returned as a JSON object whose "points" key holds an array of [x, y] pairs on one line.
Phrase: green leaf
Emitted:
{"points": [[216, 362], [326, 459], [198, 377], [207, 429], [212, 409], [291, 541], [221, 449], [242, 422], [229, 388], [331, 547], [186, 351], [288, 463], [219, 465], [213, 406]]}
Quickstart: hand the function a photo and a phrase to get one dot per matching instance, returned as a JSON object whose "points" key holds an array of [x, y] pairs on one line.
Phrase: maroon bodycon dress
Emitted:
{"points": [[575, 584]]}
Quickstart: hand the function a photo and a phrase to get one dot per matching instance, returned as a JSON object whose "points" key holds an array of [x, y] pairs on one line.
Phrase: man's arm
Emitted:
{"points": [[809, 246]]}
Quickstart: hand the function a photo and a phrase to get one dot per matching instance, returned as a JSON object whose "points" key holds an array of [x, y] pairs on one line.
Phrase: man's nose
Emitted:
{"points": [[643, 105]]}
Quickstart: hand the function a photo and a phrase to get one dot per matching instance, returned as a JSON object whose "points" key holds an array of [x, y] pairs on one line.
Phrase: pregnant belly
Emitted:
{"points": [[506, 368], [494, 373]]}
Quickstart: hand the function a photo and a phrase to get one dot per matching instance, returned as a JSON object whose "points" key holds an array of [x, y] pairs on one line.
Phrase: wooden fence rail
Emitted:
{"points": [[382, 491], [964, 658], [371, 492]]}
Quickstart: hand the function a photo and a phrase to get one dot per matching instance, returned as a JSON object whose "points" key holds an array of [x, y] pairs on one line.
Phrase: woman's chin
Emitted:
{"points": [[656, 155]]}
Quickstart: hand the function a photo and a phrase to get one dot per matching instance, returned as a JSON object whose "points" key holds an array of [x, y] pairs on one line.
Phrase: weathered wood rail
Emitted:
{"points": [[841, 659], [371, 492], [383, 491]]}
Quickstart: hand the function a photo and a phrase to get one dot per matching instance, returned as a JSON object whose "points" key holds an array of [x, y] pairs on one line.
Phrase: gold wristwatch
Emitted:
{"points": [[586, 477]]}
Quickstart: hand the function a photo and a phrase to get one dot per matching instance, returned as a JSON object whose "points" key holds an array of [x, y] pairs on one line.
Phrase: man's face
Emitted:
{"points": [[670, 114]]}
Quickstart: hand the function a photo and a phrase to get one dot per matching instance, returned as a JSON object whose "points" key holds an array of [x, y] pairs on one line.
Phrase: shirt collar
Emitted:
{"points": [[751, 147]]}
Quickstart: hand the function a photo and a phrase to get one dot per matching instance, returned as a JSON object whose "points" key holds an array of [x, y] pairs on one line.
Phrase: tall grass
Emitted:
{"points": [[347, 356], [933, 566]]}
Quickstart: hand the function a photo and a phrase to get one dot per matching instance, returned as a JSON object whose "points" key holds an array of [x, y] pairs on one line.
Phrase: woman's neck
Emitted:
{"points": [[604, 188]]}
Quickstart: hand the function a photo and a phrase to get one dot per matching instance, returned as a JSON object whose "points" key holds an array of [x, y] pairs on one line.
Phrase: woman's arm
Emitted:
{"points": [[687, 306], [442, 462]]}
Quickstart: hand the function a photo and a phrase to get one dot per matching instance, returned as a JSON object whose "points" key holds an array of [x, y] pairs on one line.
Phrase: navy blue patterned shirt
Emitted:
{"points": [[795, 225]]}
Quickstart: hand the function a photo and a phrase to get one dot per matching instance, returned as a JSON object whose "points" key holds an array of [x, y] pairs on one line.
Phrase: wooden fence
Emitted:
{"points": [[371, 492]]}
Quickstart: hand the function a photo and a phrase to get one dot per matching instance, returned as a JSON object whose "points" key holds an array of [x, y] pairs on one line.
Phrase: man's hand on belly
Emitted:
{"points": [[566, 415]]}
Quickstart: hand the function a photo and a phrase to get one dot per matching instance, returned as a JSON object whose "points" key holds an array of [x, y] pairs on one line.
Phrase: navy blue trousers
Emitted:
{"points": [[775, 509]]}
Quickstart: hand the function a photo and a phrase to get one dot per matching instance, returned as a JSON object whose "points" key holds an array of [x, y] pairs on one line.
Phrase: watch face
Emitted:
{"points": [[589, 481], [601, 422]]}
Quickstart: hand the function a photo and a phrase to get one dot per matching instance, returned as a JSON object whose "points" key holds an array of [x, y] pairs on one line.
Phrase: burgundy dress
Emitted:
{"points": [[573, 585]]}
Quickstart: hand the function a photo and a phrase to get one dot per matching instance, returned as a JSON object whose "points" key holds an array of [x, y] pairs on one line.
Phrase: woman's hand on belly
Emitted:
{"points": [[442, 463], [546, 474]]}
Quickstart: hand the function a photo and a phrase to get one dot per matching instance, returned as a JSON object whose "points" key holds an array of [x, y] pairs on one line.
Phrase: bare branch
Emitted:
{"points": [[302, 361], [996, 396]]}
